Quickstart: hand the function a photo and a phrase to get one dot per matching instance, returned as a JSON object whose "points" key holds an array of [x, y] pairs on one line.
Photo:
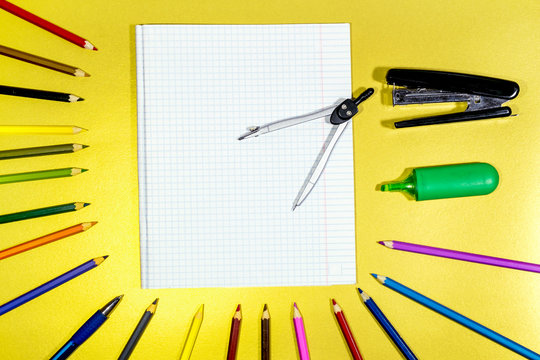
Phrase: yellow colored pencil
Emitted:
{"points": [[193, 332], [40, 129]]}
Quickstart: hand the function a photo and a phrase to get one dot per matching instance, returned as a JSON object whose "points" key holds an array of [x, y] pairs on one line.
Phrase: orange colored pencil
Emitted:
{"points": [[17, 249]]}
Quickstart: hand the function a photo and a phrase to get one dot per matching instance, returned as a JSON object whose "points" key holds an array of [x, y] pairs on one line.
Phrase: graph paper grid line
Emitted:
{"points": [[215, 211]]}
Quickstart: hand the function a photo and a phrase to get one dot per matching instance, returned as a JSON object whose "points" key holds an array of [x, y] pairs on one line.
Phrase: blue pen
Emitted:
{"points": [[387, 326], [88, 328], [452, 315]]}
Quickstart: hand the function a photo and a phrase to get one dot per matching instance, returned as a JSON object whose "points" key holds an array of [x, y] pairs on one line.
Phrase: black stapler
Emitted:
{"points": [[484, 95]]}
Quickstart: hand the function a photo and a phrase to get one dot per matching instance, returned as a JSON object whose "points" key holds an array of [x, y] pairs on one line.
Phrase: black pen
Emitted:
{"points": [[88, 328]]}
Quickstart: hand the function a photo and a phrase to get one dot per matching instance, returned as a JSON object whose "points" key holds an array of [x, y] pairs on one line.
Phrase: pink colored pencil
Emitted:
{"points": [[301, 340], [463, 256]]}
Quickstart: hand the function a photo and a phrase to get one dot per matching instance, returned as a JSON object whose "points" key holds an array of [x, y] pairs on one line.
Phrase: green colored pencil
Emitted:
{"points": [[51, 210], [40, 175], [40, 151]]}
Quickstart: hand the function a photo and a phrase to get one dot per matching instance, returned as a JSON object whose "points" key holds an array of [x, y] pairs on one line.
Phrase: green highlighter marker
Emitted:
{"points": [[447, 181]]}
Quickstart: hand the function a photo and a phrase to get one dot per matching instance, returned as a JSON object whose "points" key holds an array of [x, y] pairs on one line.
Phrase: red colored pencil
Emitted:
{"points": [[346, 331], [46, 25], [235, 334]]}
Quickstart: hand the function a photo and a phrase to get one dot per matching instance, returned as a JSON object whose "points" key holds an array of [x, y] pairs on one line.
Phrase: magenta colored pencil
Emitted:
{"points": [[463, 256], [301, 340]]}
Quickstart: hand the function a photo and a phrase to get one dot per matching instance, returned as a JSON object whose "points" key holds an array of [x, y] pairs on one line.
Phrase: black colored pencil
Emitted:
{"points": [[40, 151], [139, 330], [265, 334], [38, 94]]}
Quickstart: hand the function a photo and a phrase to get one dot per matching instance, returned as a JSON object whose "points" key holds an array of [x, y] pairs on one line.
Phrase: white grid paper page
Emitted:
{"points": [[215, 211]]}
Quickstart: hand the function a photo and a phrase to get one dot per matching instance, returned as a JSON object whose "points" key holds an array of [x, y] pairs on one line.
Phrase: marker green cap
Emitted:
{"points": [[447, 181]]}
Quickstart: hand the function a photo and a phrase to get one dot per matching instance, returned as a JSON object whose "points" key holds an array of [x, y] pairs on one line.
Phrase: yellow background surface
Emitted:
{"points": [[492, 38]]}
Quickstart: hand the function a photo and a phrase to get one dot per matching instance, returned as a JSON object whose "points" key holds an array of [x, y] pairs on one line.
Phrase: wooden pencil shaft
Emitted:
{"points": [[136, 335], [192, 334], [463, 256], [457, 317], [30, 214], [35, 94], [233, 339], [39, 129], [48, 286], [43, 240], [265, 339], [38, 175], [347, 334], [45, 25], [39, 151], [38, 60], [390, 330]]}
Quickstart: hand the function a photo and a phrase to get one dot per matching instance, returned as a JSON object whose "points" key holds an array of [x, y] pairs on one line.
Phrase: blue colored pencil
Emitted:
{"points": [[387, 326], [460, 319], [42, 289]]}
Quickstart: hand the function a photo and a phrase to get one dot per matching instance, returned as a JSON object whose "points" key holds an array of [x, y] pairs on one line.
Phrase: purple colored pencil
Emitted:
{"points": [[42, 289], [463, 256]]}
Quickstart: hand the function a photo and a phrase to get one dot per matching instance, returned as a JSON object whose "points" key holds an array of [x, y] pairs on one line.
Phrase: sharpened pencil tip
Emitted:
{"points": [[365, 297], [86, 204], [85, 146], [84, 170], [80, 99], [153, 306], [100, 259], [265, 307], [294, 304], [238, 307], [379, 278], [334, 301], [388, 243]]}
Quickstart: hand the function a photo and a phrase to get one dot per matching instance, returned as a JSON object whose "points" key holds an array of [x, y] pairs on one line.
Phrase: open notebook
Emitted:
{"points": [[215, 211]]}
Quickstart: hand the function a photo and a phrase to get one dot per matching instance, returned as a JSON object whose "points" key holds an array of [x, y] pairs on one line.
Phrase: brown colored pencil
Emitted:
{"points": [[41, 61], [29, 245], [265, 334], [235, 334]]}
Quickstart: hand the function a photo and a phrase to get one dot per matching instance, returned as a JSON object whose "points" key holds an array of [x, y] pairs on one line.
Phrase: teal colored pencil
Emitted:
{"points": [[40, 175], [51, 210], [457, 317]]}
